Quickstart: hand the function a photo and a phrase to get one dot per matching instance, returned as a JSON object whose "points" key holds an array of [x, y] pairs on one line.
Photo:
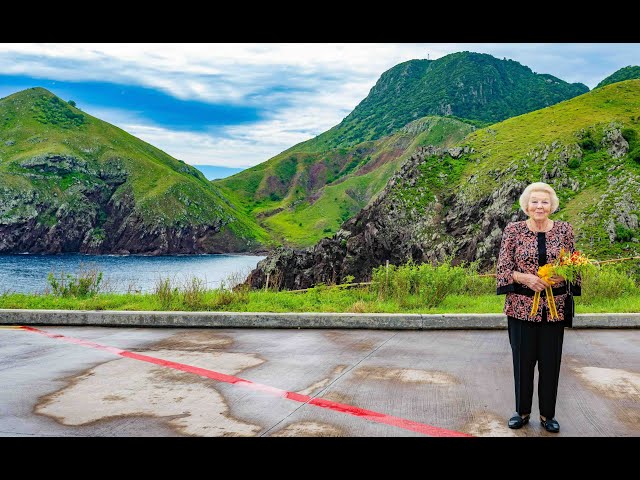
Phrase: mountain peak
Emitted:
{"points": [[39, 104], [29, 94], [469, 85]]}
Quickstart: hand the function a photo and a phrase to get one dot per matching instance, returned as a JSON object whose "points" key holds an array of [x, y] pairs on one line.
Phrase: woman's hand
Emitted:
{"points": [[534, 282], [557, 279]]}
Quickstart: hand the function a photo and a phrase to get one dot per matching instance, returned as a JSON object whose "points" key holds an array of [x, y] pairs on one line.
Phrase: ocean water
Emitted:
{"points": [[122, 273]]}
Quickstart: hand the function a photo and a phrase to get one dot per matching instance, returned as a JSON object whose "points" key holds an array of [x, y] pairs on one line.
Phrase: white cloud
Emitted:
{"points": [[207, 72], [195, 148], [321, 82], [203, 149], [238, 146], [198, 71]]}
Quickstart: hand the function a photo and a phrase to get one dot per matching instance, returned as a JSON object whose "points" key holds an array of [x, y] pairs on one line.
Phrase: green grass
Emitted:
{"points": [[304, 225], [352, 300], [515, 138], [410, 288]]}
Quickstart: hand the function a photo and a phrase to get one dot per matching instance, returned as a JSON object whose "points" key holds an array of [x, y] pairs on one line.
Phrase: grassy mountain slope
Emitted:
{"points": [[586, 147], [442, 206], [303, 196], [305, 192], [626, 73], [59, 157]]}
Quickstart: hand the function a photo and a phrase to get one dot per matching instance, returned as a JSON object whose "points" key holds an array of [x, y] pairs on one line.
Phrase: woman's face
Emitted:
{"points": [[539, 206]]}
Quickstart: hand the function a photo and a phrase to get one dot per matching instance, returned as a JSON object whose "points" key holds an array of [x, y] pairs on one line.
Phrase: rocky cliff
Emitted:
{"points": [[95, 213]]}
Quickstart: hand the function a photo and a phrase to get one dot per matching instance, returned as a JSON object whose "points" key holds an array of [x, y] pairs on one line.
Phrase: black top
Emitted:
{"points": [[542, 249]]}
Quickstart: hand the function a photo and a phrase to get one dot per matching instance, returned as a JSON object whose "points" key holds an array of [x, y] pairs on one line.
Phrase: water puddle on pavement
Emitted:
{"points": [[126, 387]]}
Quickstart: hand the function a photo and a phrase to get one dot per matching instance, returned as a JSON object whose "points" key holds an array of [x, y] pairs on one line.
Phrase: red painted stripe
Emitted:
{"points": [[221, 377]]}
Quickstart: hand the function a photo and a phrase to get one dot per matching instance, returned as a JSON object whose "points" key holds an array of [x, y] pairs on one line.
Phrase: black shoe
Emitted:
{"points": [[517, 421], [550, 425]]}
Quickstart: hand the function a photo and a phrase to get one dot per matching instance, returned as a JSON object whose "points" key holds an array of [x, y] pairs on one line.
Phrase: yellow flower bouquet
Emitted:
{"points": [[569, 266]]}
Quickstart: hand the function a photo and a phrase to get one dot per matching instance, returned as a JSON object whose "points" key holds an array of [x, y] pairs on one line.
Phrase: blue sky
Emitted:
{"points": [[230, 106]]}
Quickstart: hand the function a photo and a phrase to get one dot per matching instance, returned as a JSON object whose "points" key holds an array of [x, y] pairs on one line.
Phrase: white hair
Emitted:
{"points": [[539, 187]]}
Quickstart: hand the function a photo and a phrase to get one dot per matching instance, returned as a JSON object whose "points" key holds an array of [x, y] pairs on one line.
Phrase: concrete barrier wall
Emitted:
{"points": [[388, 321]]}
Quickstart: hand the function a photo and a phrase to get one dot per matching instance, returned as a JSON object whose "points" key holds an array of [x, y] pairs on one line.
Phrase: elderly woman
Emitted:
{"points": [[536, 338]]}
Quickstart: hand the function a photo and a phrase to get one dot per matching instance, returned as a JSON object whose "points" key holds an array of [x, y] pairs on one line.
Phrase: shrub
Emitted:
{"points": [[193, 293], [475, 284], [85, 283], [221, 298], [427, 283], [574, 163], [623, 234], [588, 144], [165, 292], [635, 155], [359, 306], [608, 281], [629, 135], [55, 112]]}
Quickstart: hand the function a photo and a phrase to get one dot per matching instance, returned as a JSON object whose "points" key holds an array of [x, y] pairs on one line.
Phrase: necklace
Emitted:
{"points": [[532, 226]]}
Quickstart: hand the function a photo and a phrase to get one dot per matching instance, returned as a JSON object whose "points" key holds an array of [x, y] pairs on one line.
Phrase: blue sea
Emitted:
{"points": [[28, 273]]}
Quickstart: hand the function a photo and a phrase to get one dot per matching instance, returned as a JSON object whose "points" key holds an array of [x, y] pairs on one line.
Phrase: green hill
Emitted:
{"points": [[71, 182], [626, 73], [587, 148], [440, 205], [467, 85], [307, 191]]}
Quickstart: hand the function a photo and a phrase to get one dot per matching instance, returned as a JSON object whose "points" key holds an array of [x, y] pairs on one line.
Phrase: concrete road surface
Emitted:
{"points": [[100, 381]]}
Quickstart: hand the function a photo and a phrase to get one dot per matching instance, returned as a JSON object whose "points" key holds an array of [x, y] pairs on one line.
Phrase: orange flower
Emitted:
{"points": [[570, 265], [567, 265]]}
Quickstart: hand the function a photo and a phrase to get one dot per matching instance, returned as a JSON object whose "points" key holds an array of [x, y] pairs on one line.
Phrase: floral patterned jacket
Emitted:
{"points": [[519, 251]]}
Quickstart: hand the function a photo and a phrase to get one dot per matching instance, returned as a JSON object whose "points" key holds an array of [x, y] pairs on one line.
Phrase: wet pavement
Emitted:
{"points": [[303, 382]]}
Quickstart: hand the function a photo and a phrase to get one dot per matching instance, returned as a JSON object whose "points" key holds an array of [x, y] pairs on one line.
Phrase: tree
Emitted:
{"points": [[72, 103]]}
